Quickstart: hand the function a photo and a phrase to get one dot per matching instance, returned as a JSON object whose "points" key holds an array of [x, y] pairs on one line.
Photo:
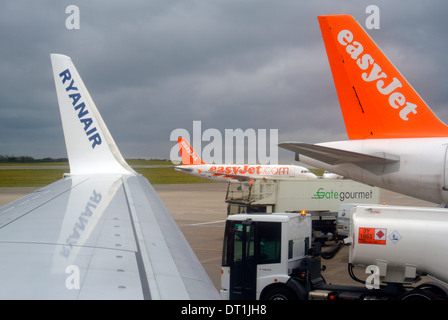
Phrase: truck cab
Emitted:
{"points": [[260, 254]]}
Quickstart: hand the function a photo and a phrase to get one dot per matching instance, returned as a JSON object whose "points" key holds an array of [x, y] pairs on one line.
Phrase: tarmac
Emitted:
{"points": [[200, 211]]}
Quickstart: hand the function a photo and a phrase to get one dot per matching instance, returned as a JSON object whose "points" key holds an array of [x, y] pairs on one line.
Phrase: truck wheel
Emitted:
{"points": [[279, 293], [420, 295]]}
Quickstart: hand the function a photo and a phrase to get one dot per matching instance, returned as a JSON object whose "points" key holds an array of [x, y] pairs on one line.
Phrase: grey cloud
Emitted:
{"points": [[154, 66]]}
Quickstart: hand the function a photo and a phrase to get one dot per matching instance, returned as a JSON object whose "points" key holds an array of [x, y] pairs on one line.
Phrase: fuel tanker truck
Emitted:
{"points": [[271, 256]]}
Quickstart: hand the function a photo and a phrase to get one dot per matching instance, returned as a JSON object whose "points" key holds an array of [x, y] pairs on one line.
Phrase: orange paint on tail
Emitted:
{"points": [[376, 100], [187, 153]]}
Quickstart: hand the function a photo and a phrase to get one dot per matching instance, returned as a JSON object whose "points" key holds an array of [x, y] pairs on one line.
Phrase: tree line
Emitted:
{"points": [[28, 159]]}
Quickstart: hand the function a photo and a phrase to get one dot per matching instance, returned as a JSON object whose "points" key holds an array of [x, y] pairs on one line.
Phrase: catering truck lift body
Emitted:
{"points": [[322, 198], [295, 195]]}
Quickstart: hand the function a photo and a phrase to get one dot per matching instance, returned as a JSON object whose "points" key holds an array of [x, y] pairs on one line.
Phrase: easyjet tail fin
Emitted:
{"points": [[90, 147], [376, 100], [187, 153]]}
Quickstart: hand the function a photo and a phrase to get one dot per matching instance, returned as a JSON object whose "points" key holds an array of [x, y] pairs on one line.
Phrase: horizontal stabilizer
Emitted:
{"points": [[183, 169], [334, 156]]}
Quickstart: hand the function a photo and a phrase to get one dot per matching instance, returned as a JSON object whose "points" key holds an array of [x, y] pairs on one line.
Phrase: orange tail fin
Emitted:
{"points": [[376, 100], [187, 153]]}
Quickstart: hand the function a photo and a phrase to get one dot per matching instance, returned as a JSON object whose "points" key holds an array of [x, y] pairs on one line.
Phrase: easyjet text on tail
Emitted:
{"points": [[376, 100]]}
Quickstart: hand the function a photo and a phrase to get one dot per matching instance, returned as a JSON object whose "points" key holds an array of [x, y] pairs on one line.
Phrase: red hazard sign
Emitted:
{"points": [[372, 235]]}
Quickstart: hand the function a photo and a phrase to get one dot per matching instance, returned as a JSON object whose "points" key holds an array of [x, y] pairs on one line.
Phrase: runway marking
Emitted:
{"points": [[203, 223], [207, 249]]}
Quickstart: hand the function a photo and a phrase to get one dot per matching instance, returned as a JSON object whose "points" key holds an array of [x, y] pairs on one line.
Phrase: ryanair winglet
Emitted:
{"points": [[376, 100], [90, 147], [188, 155]]}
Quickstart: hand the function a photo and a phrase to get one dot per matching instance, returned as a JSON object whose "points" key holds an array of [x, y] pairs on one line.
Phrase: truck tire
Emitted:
{"points": [[420, 295], [279, 293], [440, 291]]}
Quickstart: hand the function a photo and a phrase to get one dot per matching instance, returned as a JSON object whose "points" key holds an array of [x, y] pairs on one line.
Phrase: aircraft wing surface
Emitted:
{"points": [[234, 177], [335, 156], [96, 237], [101, 232]]}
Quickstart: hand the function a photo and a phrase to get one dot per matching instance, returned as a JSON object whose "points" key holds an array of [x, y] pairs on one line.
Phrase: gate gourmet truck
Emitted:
{"points": [[297, 195], [322, 198], [272, 256]]}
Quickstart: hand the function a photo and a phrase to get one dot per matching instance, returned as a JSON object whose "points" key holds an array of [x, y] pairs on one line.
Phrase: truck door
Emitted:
{"points": [[241, 259], [248, 244]]}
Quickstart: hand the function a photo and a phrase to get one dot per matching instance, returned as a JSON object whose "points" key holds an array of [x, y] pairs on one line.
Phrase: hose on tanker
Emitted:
{"points": [[331, 253], [352, 274]]}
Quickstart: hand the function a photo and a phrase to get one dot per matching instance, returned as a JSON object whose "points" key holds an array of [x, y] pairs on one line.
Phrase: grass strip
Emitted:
{"points": [[43, 177]]}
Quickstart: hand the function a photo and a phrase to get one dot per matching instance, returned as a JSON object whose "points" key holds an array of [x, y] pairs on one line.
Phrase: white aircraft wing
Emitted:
{"points": [[234, 177], [100, 232], [335, 156]]}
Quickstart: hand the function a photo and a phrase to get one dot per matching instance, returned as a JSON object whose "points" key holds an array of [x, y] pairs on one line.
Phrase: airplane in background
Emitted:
{"points": [[193, 165], [101, 232], [395, 140], [331, 175]]}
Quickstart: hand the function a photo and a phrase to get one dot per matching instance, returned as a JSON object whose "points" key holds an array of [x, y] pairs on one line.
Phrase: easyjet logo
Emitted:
{"points": [[365, 61], [250, 170], [190, 151]]}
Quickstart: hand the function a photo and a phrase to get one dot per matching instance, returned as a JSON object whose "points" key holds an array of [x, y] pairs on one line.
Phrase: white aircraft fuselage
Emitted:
{"points": [[235, 173]]}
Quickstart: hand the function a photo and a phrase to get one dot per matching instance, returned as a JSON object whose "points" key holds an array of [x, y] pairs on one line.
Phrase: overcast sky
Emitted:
{"points": [[154, 66]]}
